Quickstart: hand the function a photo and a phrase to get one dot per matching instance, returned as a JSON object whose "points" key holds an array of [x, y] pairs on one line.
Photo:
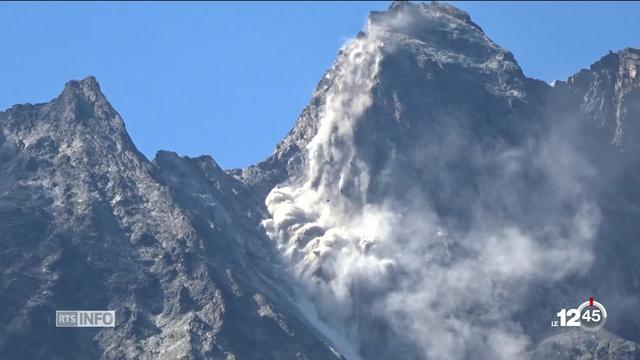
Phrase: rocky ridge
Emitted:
{"points": [[438, 117]]}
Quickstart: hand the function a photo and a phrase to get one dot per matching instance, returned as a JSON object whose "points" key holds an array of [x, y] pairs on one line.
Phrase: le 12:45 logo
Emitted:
{"points": [[590, 315]]}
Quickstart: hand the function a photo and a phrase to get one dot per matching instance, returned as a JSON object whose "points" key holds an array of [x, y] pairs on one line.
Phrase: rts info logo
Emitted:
{"points": [[79, 318]]}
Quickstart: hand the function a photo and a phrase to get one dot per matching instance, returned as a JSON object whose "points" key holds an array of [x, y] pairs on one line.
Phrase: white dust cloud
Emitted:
{"points": [[448, 291]]}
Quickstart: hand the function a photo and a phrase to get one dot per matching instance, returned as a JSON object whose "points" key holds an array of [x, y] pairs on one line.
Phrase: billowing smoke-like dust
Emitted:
{"points": [[377, 271]]}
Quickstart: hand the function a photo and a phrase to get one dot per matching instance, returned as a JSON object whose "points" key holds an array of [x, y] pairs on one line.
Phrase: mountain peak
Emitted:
{"points": [[86, 94], [87, 88], [400, 4], [444, 31], [434, 11]]}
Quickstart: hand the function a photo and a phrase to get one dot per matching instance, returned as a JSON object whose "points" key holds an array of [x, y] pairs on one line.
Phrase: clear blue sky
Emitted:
{"points": [[229, 79]]}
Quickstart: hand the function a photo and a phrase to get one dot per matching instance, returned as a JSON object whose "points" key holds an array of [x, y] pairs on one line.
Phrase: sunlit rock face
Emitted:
{"points": [[173, 246]]}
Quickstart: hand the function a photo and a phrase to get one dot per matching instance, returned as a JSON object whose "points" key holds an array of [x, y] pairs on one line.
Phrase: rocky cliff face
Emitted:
{"points": [[172, 245], [438, 203], [430, 202]]}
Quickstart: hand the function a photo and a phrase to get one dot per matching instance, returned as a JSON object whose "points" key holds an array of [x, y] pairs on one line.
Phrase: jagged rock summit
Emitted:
{"points": [[172, 245]]}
